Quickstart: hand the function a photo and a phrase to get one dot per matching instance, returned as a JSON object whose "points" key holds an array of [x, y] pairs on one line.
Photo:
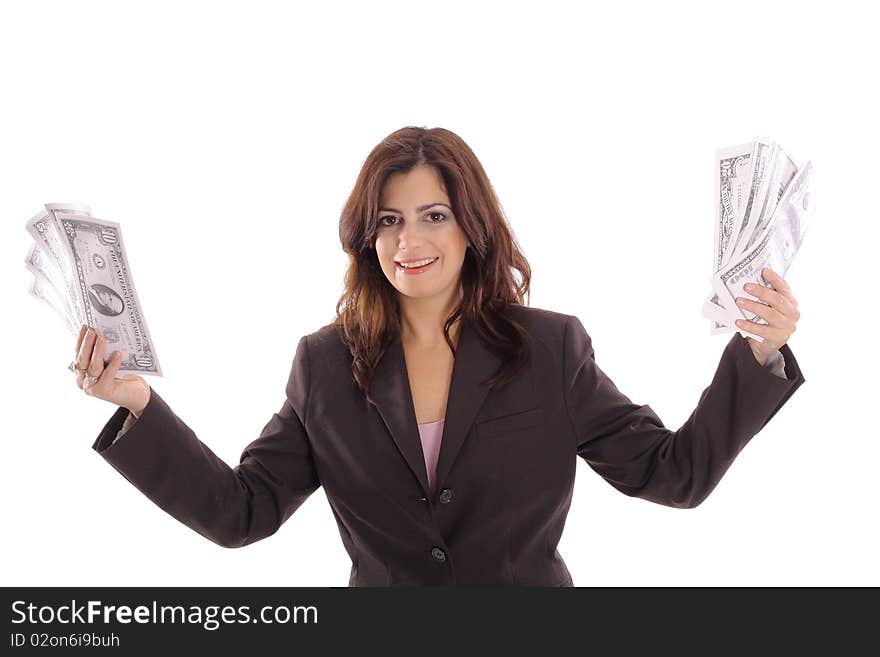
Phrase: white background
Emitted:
{"points": [[225, 137]]}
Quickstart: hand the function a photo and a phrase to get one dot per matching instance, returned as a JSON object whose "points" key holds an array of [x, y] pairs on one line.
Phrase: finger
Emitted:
{"points": [[773, 316], [83, 382], [85, 350], [770, 296], [79, 339], [96, 364], [109, 373], [764, 330], [778, 283]]}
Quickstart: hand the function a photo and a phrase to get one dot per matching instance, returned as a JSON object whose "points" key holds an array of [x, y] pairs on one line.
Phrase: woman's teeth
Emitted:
{"points": [[416, 265]]}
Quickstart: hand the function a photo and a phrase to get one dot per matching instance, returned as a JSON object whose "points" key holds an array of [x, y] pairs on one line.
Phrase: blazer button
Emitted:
{"points": [[446, 495], [438, 554]]}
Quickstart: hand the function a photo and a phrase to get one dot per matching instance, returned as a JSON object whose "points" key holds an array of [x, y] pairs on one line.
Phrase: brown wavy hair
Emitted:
{"points": [[368, 311]]}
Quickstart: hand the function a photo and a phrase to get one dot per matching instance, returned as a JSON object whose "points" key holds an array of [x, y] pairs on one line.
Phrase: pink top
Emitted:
{"points": [[430, 433]]}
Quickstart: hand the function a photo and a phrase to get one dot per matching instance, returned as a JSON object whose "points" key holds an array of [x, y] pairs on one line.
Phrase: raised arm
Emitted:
{"points": [[627, 443], [162, 457]]}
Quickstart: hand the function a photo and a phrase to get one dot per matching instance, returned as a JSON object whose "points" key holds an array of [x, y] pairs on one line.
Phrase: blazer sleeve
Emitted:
{"points": [[627, 443], [129, 420], [233, 507]]}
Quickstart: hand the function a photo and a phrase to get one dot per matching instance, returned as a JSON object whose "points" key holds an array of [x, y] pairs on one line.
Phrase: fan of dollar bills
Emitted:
{"points": [[765, 203], [80, 269]]}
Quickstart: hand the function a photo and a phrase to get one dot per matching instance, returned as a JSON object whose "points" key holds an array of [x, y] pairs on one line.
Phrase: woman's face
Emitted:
{"points": [[416, 223]]}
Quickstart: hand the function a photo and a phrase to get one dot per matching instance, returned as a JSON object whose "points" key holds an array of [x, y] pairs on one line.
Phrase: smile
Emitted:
{"points": [[417, 267]]}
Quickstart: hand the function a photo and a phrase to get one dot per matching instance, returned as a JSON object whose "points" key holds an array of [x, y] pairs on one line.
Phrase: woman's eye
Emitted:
{"points": [[431, 216]]}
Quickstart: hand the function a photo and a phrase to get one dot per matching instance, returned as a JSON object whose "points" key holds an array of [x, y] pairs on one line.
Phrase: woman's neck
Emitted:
{"points": [[422, 322]]}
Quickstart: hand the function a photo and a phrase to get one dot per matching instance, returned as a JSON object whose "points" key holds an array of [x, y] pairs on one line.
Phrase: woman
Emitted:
{"points": [[440, 414]]}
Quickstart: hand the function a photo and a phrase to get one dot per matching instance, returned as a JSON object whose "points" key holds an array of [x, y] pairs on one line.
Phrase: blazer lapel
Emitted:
{"points": [[391, 392], [474, 363]]}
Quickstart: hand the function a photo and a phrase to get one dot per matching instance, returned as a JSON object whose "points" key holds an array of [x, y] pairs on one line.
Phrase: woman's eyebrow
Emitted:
{"points": [[418, 209]]}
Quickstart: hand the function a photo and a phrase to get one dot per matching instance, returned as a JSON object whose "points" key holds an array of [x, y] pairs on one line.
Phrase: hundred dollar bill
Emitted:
{"points": [[42, 289], [70, 208], [733, 177], [761, 154], [42, 265], [782, 172], [44, 229], [775, 248], [750, 190], [105, 289]]}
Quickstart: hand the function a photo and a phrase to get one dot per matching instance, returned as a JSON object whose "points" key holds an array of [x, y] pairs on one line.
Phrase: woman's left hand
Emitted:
{"points": [[779, 310]]}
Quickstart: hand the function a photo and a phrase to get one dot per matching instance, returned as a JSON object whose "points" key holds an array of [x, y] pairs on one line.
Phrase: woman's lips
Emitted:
{"points": [[419, 270]]}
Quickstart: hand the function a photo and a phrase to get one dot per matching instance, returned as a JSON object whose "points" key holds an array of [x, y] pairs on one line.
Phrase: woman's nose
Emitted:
{"points": [[409, 235]]}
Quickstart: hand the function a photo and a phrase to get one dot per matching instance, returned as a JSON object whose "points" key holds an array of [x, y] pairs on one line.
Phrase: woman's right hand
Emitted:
{"points": [[130, 391]]}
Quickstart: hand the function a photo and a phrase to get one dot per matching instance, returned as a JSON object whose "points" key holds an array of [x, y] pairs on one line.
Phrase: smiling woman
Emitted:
{"points": [[423, 210], [441, 415], [422, 250]]}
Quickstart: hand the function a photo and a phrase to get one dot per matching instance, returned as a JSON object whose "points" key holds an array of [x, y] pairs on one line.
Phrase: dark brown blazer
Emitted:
{"points": [[507, 459]]}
